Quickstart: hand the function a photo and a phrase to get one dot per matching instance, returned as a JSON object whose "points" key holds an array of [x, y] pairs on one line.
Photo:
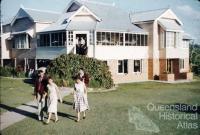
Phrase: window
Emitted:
{"points": [[169, 66], [135, 40], [52, 39], [181, 64], [173, 39], [162, 39], [109, 38], [21, 41], [70, 37], [91, 38], [185, 43], [170, 39], [123, 66], [137, 66], [44, 40]]}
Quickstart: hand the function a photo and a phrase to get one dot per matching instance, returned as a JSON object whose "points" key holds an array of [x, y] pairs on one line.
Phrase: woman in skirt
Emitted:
{"points": [[80, 102], [54, 93]]}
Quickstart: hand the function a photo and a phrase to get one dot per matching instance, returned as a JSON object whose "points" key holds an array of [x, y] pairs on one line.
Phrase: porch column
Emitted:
{"points": [[15, 62], [67, 41], [36, 66], [124, 39], [27, 62], [2, 62], [95, 42], [24, 64]]}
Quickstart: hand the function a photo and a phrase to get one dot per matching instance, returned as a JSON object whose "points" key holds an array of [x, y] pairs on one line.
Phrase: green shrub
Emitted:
{"points": [[7, 71], [10, 71], [67, 66]]}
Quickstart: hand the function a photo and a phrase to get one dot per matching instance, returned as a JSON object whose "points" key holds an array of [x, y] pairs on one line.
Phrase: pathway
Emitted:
{"points": [[28, 109]]}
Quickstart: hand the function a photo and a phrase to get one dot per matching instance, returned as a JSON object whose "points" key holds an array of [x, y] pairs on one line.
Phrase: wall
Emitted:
{"points": [[131, 76], [22, 25], [174, 53], [6, 46], [121, 52]]}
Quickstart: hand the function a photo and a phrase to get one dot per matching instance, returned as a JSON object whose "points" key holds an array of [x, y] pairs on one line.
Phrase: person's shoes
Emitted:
{"points": [[84, 117], [77, 121], [39, 118], [42, 119], [46, 123], [56, 121]]}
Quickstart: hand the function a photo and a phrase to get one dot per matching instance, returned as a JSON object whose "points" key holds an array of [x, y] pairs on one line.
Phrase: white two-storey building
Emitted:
{"points": [[137, 47]]}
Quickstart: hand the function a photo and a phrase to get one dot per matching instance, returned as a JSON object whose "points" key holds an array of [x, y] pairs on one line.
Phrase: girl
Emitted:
{"points": [[80, 102], [54, 93]]}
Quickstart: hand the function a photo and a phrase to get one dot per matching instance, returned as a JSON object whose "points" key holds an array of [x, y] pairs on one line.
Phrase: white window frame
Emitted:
{"points": [[123, 68], [141, 65], [181, 65]]}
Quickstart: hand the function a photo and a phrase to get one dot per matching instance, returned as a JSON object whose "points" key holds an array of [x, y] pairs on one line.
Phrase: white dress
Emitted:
{"points": [[53, 98], [80, 99]]}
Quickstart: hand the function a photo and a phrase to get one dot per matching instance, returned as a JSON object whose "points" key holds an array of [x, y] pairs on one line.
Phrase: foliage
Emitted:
{"points": [[66, 67], [10, 71], [195, 58]]}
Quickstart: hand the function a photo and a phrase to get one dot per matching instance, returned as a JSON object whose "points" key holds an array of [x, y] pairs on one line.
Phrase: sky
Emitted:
{"points": [[188, 11]]}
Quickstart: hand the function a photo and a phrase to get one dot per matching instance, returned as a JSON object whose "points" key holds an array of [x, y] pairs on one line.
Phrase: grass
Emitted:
{"points": [[14, 92], [109, 112]]}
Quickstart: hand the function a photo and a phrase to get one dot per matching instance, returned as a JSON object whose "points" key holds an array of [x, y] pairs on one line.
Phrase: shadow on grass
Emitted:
{"points": [[29, 81], [186, 108], [69, 116], [19, 111], [33, 106], [67, 103], [33, 115]]}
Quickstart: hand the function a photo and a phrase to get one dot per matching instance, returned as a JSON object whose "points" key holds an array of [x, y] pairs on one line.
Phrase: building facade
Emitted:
{"points": [[19, 40], [136, 47]]}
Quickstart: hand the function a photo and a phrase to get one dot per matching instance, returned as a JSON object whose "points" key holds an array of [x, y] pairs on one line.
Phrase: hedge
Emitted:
{"points": [[8, 71], [66, 66]]}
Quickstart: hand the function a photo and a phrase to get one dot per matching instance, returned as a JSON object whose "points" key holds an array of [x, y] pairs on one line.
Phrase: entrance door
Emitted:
{"points": [[81, 44]]}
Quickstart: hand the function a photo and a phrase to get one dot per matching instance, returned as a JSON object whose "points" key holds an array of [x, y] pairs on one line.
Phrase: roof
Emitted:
{"points": [[170, 25], [187, 36], [59, 24], [36, 15], [112, 19], [30, 54], [7, 21], [49, 52], [42, 15], [150, 15]]}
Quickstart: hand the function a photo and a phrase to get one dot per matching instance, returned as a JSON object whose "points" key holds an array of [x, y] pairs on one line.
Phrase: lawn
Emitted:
{"points": [[110, 112], [14, 92]]}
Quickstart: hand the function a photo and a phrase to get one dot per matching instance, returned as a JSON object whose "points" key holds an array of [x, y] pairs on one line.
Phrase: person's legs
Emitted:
{"points": [[42, 109], [84, 114], [56, 115], [78, 116], [39, 103], [49, 118]]}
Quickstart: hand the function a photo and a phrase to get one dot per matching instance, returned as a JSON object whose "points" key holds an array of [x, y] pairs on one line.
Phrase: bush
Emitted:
{"points": [[10, 71], [7, 71], [66, 67]]}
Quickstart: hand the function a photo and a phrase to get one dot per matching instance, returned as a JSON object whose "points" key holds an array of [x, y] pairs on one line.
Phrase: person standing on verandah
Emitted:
{"points": [[40, 93], [80, 103], [54, 93]]}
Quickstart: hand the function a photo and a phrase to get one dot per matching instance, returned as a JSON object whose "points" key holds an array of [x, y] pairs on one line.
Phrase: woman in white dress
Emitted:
{"points": [[80, 102], [54, 93]]}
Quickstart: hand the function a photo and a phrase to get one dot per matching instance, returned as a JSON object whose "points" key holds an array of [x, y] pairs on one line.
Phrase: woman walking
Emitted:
{"points": [[54, 93], [80, 102]]}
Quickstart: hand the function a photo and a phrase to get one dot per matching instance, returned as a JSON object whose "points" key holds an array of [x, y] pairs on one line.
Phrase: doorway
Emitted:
{"points": [[81, 44]]}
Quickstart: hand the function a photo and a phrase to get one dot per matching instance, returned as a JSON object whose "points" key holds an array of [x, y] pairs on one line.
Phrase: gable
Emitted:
{"points": [[21, 14], [169, 14], [73, 7], [83, 12]]}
